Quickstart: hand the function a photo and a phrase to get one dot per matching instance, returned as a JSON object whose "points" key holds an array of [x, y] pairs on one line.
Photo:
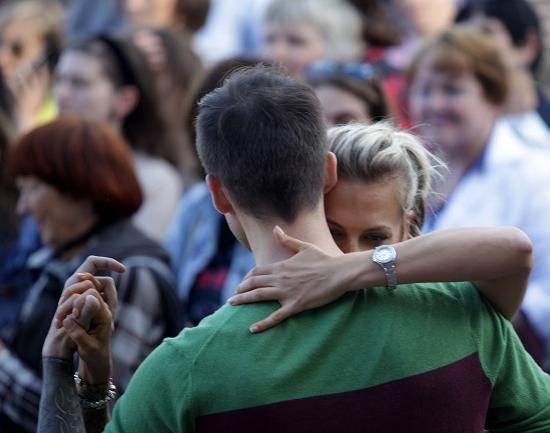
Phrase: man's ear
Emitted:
{"points": [[219, 197], [531, 48], [331, 172], [126, 100]]}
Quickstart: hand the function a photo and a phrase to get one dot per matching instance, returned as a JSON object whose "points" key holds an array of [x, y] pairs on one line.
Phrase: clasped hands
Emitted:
{"points": [[83, 321]]}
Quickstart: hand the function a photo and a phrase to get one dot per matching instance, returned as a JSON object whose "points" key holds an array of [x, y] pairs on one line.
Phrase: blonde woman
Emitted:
{"points": [[384, 177]]}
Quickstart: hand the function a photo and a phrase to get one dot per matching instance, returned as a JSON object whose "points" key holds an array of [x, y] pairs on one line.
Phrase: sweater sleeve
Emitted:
{"points": [[520, 398], [159, 396]]}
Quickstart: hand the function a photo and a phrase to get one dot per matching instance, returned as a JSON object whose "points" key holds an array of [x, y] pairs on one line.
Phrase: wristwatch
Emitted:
{"points": [[384, 255]]}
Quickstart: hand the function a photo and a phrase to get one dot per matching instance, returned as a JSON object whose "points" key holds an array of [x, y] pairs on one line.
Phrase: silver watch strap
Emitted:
{"points": [[391, 275]]}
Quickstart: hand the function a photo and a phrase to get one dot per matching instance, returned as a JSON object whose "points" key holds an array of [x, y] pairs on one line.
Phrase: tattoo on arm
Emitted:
{"points": [[60, 410]]}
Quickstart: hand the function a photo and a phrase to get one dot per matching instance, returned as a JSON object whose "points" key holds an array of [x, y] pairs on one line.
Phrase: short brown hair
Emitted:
{"points": [[124, 64], [83, 159], [461, 49], [262, 134], [193, 13]]}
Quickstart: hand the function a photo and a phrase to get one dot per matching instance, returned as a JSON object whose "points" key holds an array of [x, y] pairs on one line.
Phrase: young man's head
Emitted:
{"points": [[262, 141], [515, 21]]}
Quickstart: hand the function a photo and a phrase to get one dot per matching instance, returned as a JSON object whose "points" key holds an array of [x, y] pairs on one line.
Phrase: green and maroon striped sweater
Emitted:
{"points": [[424, 358]]}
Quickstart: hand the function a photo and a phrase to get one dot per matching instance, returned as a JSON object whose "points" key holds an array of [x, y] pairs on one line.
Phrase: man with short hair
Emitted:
{"points": [[410, 360]]}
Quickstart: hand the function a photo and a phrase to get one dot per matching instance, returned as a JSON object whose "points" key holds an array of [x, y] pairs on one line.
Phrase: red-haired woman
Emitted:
{"points": [[77, 180]]}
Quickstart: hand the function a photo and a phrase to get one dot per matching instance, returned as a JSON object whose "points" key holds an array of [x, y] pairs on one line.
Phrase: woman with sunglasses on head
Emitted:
{"points": [[376, 212], [348, 92]]}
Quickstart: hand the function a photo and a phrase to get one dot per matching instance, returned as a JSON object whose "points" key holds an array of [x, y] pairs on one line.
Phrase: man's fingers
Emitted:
{"points": [[89, 309], [77, 288], [64, 309], [92, 264], [272, 320], [77, 334], [254, 282], [109, 293], [292, 244]]}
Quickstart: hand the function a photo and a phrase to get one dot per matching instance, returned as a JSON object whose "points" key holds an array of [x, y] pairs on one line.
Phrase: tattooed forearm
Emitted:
{"points": [[60, 410]]}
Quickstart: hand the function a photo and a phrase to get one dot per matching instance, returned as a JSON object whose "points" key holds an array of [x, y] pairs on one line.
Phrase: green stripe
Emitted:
{"points": [[367, 338]]}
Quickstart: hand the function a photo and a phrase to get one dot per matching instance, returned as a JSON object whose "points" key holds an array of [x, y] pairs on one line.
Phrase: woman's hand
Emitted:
{"points": [[30, 87], [309, 279]]}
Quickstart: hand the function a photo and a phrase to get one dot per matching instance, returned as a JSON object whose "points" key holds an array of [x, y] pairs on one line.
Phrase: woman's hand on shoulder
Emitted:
{"points": [[309, 279]]}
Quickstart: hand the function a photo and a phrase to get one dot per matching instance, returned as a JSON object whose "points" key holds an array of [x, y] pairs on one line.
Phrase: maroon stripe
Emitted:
{"points": [[450, 399]]}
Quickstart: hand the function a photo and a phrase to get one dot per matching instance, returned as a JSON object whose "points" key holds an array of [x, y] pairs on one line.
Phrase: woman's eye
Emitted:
{"points": [[343, 119], [374, 238], [296, 41], [336, 233]]}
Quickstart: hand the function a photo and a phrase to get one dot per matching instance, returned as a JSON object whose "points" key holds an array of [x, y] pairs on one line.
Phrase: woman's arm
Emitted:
{"points": [[497, 260]]}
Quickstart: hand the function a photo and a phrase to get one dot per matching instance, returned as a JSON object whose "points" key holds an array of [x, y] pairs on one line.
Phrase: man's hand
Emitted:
{"points": [[84, 319], [87, 321]]}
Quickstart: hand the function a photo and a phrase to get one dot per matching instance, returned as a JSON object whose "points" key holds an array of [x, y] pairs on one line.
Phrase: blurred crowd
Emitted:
{"points": [[98, 101]]}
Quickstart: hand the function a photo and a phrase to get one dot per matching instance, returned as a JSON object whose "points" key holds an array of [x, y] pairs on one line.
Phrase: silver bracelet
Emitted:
{"points": [[87, 396]]}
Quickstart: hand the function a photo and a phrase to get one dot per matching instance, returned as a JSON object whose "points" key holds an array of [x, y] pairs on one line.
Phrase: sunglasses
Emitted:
{"points": [[323, 69]]}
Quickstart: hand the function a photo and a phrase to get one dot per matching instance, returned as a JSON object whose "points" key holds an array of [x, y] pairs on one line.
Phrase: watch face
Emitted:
{"points": [[384, 254]]}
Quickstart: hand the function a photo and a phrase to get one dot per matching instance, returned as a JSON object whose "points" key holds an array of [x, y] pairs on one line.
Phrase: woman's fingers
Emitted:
{"points": [[254, 282], [258, 295], [292, 244], [260, 270], [272, 320]]}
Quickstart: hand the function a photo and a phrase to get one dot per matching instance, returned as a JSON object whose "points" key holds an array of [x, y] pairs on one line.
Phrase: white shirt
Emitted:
{"points": [[233, 28], [162, 187], [509, 187], [529, 127]]}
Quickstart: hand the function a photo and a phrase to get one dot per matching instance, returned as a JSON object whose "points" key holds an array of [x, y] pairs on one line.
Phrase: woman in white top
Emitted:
{"points": [[108, 79]]}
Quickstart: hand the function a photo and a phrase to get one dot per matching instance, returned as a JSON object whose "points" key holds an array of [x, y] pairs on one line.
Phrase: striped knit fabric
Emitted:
{"points": [[424, 358]]}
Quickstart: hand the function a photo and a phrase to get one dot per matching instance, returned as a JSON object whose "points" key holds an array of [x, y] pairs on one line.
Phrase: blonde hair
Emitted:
{"points": [[41, 16], [379, 151], [337, 21]]}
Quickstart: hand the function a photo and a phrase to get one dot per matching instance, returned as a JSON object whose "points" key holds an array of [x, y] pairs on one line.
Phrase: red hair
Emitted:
{"points": [[82, 159]]}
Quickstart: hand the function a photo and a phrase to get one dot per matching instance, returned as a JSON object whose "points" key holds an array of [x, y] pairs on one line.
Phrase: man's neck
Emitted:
{"points": [[522, 94], [308, 227]]}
